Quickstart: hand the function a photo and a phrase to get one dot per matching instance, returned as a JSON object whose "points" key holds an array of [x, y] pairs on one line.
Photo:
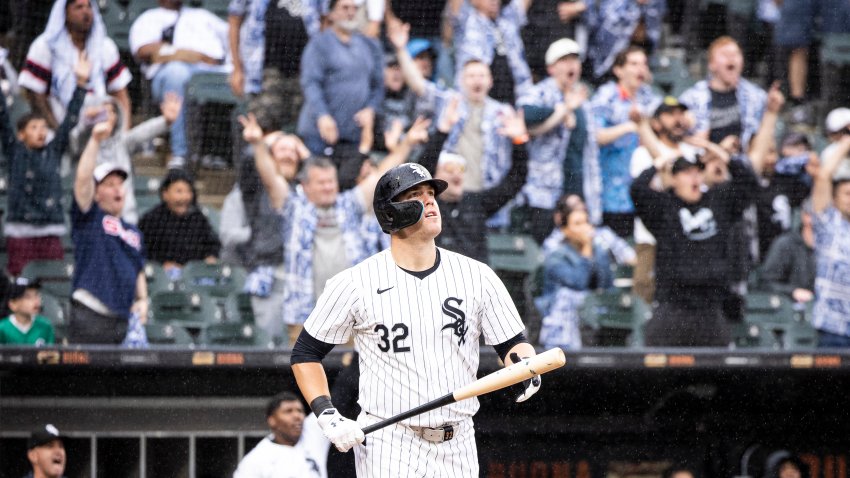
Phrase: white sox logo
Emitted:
{"points": [[459, 325], [418, 170]]}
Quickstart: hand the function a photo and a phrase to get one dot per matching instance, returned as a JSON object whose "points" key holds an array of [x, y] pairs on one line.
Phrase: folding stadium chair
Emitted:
{"points": [[145, 203], [146, 186], [56, 311], [168, 334], [192, 310], [515, 258], [218, 7], [54, 275], [208, 104], [238, 308], [158, 280], [213, 216], [835, 49], [245, 335], [670, 76], [218, 280], [773, 321], [617, 318]]}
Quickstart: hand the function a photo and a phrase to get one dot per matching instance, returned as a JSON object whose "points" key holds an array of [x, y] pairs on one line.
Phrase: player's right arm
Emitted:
{"points": [[329, 324]]}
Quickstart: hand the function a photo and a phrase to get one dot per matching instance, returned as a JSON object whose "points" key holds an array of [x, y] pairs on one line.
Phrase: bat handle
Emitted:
{"points": [[444, 400]]}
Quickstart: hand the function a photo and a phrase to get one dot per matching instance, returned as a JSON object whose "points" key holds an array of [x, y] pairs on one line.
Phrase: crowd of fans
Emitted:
{"points": [[542, 115]]}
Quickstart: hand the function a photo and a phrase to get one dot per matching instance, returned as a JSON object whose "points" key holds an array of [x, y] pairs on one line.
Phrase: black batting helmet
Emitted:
{"points": [[394, 216]]}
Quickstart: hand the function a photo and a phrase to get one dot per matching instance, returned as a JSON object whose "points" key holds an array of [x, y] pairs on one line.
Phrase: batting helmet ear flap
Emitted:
{"points": [[397, 215]]}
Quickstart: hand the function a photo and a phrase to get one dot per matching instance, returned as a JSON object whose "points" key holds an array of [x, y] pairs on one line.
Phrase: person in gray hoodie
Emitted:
{"points": [[122, 144]]}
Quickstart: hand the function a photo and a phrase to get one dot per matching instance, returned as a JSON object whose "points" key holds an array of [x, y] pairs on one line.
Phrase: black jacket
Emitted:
{"points": [[180, 239], [464, 228], [692, 258]]}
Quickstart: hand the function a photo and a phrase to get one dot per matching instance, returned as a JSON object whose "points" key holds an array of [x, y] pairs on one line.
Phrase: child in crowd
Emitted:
{"points": [[24, 326], [36, 218]]}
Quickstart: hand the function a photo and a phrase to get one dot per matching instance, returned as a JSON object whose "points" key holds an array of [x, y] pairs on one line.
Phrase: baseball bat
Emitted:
{"points": [[507, 376]]}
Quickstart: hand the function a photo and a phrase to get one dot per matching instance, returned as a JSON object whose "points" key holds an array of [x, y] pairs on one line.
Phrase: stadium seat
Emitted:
{"points": [[208, 103], [158, 280], [210, 87], [238, 308], [218, 280], [54, 275], [213, 216], [168, 334], [516, 258], [56, 311], [145, 203], [119, 17], [218, 7], [245, 335], [670, 76], [146, 186], [192, 310], [773, 321], [835, 49], [617, 318]]}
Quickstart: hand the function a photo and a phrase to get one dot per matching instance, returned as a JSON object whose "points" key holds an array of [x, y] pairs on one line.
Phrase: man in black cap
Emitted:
{"points": [[46, 453], [691, 225]]}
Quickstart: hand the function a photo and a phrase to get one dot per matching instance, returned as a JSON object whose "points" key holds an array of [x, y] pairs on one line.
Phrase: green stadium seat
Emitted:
{"points": [[670, 76], [835, 49], [210, 87], [54, 275], [158, 280], [514, 253], [168, 334], [218, 280], [192, 310], [145, 203], [56, 311], [773, 321], [617, 318], [218, 7], [244, 335], [146, 186], [238, 308]]}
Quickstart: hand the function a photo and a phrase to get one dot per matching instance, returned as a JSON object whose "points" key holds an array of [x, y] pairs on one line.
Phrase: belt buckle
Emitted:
{"points": [[439, 434]]}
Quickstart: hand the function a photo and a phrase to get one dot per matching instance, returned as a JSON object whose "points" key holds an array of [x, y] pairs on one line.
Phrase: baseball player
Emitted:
{"points": [[416, 313]]}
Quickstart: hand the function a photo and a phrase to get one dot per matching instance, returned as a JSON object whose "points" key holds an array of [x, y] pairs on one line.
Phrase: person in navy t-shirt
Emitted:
{"points": [[109, 281]]}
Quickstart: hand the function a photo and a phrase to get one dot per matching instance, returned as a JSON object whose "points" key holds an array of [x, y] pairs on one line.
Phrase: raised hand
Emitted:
{"points": [[251, 131], [775, 98], [418, 132], [82, 70], [513, 123], [170, 106], [450, 116], [101, 131], [576, 97], [398, 33]]}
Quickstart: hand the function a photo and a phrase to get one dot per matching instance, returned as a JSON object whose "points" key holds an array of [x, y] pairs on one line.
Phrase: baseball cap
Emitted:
{"points": [[19, 287], [561, 48], [837, 120], [417, 46], [451, 158], [668, 104], [105, 169], [43, 436], [681, 164]]}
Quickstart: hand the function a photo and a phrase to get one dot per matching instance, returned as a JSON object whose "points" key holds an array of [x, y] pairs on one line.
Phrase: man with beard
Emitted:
{"points": [[661, 135], [295, 447], [343, 81]]}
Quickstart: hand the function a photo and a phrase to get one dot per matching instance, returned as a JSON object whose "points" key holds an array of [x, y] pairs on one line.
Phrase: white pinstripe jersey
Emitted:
{"points": [[418, 338]]}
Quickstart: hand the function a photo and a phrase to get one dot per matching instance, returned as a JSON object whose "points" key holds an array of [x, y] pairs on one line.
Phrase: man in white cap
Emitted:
{"points": [[562, 151], [109, 282], [831, 222], [46, 453]]}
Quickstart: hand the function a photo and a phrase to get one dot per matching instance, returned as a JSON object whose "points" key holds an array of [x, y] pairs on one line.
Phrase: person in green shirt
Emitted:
{"points": [[24, 326]]}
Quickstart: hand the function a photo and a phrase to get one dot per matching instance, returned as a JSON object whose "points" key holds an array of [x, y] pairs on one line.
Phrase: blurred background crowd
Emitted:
{"points": [[638, 172]]}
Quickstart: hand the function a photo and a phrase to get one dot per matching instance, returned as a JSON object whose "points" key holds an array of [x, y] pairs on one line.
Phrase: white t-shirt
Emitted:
{"points": [[196, 29], [39, 75], [641, 161], [307, 459]]}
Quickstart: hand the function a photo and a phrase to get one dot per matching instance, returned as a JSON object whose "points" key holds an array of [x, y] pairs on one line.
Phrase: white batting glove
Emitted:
{"points": [[342, 432], [530, 386]]}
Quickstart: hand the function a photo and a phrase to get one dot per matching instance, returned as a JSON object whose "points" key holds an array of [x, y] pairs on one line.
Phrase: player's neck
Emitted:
{"points": [[413, 255]]}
